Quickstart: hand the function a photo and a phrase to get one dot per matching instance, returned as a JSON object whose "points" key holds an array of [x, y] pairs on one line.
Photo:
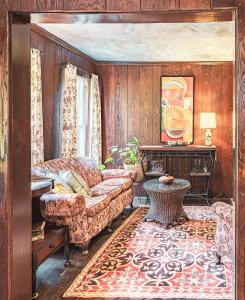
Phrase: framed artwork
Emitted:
{"points": [[177, 95]]}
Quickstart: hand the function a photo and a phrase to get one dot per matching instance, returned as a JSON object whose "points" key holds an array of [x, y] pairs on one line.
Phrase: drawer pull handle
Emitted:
{"points": [[51, 246]]}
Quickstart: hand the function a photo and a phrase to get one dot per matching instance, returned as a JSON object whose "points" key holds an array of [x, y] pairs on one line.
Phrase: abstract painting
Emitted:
{"points": [[177, 109]]}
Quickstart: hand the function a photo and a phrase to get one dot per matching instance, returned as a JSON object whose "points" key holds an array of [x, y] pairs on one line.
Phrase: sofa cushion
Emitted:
{"points": [[91, 170], [56, 165], [76, 181], [124, 183], [96, 204], [101, 189]]}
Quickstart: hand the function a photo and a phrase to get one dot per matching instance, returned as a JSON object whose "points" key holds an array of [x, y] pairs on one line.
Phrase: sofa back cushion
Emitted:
{"points": [[91, 169], [83, 166]]}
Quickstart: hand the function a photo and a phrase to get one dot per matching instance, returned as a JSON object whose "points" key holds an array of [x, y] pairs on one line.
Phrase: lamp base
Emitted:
{"points": [[208, 138]]}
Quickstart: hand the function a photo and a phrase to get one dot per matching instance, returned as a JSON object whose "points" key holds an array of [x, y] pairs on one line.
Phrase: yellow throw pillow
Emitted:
{"points": [[76, 181], [60, 186]]}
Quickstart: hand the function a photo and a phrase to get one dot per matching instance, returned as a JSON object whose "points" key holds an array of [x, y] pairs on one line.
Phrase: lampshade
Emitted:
{"points": [[207, 120]]}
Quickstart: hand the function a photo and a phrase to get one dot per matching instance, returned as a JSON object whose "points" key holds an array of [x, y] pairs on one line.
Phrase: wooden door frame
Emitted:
{"points": [[20, 155], [13, 142]]}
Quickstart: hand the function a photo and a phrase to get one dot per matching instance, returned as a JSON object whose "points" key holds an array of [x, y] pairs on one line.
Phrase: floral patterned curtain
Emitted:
{"points": [[37, 147], [95, 121], [68, 139]]}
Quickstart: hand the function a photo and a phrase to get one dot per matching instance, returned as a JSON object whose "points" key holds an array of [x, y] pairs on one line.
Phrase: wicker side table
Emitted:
{"points": [[167, 201]]}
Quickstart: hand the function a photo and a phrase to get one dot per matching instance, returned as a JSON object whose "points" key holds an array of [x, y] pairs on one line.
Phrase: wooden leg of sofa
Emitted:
{"points": [[123, 215], [108, 228], [85, 248]]}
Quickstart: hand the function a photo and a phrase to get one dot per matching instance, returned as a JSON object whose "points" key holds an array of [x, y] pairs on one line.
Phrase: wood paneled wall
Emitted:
{"points": [[53, 55], [131, 107], [7, 262]]}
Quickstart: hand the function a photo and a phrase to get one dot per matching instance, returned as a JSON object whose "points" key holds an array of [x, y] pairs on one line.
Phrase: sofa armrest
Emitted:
{"points": [[118, 173], [223, 210], [61, 205]]}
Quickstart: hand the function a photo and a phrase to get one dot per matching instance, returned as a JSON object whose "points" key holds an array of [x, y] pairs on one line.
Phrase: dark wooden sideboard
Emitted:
{"points": [[55, 237], [194, 163]]}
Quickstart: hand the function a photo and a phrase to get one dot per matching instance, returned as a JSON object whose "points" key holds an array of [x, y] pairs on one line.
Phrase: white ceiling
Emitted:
{"points": [[213, 41]]}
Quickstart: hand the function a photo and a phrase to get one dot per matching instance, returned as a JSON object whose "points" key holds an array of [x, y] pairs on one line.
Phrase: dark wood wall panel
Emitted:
{"points": [[156, 5], [133, 100], [223, 3], [145, 92], [213, 91], [108, 104], [156, 73], [49, 5], [195, 4], [88, 5], [120, 104], [123, 5], [117, 5], [53, 56]]}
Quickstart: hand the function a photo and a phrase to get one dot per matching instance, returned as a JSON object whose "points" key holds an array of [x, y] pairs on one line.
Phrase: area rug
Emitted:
{"points": [[142, 260]]}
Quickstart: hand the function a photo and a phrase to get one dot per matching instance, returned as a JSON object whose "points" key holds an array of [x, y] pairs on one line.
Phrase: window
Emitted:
{"points": [[83, 87]]}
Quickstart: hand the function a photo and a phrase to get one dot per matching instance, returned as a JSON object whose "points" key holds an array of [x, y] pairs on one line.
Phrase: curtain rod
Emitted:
{"points": [[80, 71]]}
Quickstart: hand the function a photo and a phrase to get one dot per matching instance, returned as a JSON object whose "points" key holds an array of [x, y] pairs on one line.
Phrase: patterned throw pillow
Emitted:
{"points": [[76, 181], [60, 186]]}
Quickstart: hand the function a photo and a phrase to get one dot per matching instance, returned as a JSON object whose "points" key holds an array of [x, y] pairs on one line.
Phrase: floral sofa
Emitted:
{"points": [[224, 238], [86, 216]]}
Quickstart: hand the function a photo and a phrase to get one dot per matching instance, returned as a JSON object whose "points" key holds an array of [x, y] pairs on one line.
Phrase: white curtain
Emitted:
{"points": [[68, 128], [95, 121], [37, 144]]}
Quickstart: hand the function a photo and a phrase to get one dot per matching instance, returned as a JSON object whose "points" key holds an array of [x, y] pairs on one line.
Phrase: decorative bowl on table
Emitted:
{"points": [[177, 143], [166, 179]]}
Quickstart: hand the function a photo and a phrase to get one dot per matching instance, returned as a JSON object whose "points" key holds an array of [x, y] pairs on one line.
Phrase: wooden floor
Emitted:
{"points": [[54, 280]]}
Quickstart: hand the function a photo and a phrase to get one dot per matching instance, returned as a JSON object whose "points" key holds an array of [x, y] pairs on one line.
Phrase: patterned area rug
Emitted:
{"points": [[142, 260]]}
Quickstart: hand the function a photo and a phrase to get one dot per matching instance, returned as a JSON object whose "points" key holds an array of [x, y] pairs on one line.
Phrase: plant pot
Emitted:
{"points": [[138, 169]]}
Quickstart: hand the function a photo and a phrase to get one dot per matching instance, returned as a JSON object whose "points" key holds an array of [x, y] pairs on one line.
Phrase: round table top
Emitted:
{"points": [[156, 186]]}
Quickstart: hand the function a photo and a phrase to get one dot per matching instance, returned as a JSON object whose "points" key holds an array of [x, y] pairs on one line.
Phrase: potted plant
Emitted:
{"points": [[128, 157]]}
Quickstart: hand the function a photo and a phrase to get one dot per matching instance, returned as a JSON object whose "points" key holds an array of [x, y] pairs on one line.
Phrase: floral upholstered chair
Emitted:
{"points": [[86, 216], [224, 238]]}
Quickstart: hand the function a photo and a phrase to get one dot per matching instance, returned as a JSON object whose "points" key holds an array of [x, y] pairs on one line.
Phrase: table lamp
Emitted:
{"points": [[208, 122]]}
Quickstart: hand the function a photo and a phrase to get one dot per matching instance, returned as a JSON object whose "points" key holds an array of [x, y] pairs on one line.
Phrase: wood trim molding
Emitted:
{"points": [[60, 42], [101, 63], [144, 17], [239, 172], [20, 149]]}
